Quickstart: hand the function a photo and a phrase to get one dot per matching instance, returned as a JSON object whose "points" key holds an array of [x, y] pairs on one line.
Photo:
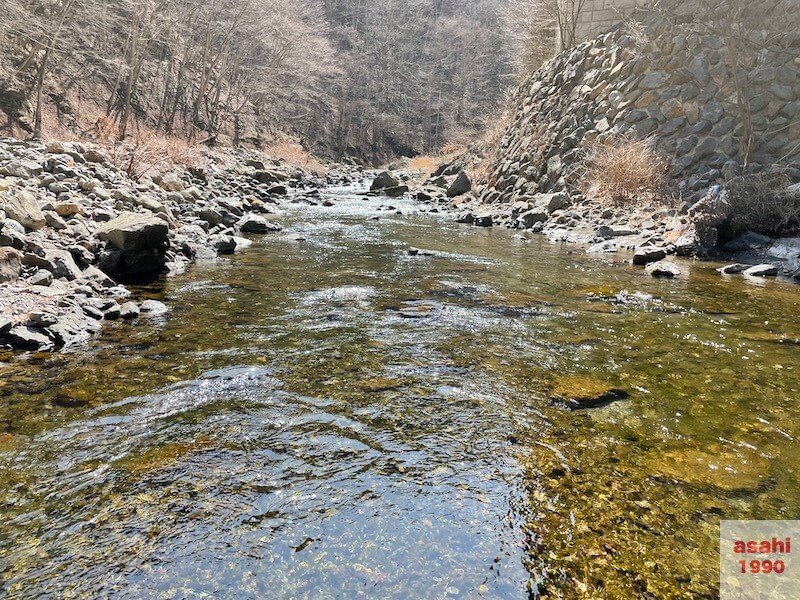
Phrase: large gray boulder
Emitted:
{"points": [[384, 180], [142, 239], [256, 224], [23, 209], [10, 264], [460, 186]]}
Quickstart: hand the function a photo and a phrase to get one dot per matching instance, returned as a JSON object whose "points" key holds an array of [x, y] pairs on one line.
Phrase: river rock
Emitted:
{"points": [[730, 470], [10, 264], [460, 186], [31, 338], [765, 270], [41, 278], [733, 269], [583, 391], [153, 307], [23, 209], [663, 268], [648, 254], [256, 224], [749, 240], [58, 262], [384, 180], [397, 191], [129, 311], [142, 239]]}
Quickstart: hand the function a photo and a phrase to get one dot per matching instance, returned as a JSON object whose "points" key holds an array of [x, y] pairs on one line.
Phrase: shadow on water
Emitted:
{"points": [[337, 418]]}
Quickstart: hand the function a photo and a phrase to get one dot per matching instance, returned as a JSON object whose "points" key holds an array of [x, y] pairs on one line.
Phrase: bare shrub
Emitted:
{"points": [[762, 204], [625, 171]]}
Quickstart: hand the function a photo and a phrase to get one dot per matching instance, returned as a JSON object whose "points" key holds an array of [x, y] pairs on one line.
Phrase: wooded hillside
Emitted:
{"points": [[360, 78]]}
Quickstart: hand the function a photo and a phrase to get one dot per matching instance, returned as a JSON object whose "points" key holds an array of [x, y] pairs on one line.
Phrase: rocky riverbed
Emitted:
{"points": [[74, 227]]}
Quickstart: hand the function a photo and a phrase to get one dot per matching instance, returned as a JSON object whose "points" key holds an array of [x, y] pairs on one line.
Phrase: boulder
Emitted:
{"points": [[530, 218], [129, 311], [749, 240], [765, 270], [23, 209], [58, 262], [734, 269], [648, 254], [384, 180], [256, 224], [29, 338], [142, 239], [460, 186], [10, 264], [663, 268], [153, 307], [396, 192]]}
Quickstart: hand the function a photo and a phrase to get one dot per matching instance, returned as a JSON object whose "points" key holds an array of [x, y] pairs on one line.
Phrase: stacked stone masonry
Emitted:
{"points": [[655, 81]]}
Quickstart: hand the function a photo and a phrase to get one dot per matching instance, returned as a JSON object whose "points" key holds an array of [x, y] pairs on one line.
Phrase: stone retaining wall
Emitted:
{"points": [[657, 80]]}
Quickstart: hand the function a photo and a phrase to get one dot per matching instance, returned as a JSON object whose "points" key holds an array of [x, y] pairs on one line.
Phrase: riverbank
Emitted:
{"points": [[76, 225]]}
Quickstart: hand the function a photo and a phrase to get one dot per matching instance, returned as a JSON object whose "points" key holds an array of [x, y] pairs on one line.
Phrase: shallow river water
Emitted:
{"points": [[325, 416]]}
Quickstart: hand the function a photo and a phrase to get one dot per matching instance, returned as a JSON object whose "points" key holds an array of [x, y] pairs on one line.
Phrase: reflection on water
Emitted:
{"points": [[336, 418]]}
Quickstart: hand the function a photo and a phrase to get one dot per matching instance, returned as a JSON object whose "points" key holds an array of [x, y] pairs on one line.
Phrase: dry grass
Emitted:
{"points": [[760, 203], [149, 153], [489, 145], [625, 171], [426, 163], [294, 154]]}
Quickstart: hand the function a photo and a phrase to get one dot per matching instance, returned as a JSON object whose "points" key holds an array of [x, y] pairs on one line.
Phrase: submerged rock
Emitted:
{"points": [[583, 391], [721, 468]]}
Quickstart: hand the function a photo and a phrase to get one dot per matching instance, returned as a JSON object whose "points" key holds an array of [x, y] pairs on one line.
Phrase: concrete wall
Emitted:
{"points": [[599, 16]]}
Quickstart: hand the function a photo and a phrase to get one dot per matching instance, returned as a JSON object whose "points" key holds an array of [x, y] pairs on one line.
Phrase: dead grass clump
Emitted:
{"points": [[149, 153], [295, 155], [426, 163], [762, 204], [625, 171]]}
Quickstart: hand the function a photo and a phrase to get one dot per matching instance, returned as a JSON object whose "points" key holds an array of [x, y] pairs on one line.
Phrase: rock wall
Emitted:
{"points": [[656, 79], [599, 16]]}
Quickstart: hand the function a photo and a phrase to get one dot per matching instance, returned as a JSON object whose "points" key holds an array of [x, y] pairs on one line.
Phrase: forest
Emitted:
{"points": [[349, 78]]}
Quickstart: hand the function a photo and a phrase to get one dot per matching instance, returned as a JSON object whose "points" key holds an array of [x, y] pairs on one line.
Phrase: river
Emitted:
{"points": [[326, 416]]}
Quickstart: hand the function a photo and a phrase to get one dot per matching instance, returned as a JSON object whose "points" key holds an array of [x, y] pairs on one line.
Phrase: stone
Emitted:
{"points": [[733, 269], [129, 311], [460, 186], [95, 156], [257, 224], [648, 254], [397, 191], [384, 180], [142, 239], [749, 240], [58, 262], [153, 308], [582, 392], [23, 169], [663, 268], [29, 338], [41, 278], [98, 277], [653, 80], [10, 264], [530, 218], [764, 270], [23, 209], [786, 248]]}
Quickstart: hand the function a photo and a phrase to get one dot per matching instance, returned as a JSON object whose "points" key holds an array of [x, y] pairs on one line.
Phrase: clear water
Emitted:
{"points": [[333, 418]]}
